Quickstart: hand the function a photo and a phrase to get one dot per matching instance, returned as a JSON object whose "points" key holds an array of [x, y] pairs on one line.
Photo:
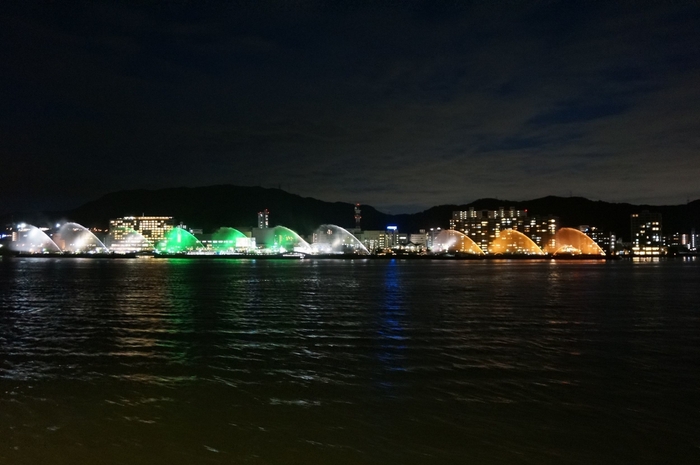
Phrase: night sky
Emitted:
{"points": [[402, 106]]}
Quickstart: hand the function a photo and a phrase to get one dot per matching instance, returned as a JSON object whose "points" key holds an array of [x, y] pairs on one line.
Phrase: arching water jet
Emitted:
{"points": [[227, 239], [570, 241], [131, 242], [179, 241], [76, 238], [512, 242], [281, 239], [333, 239], [33, 240], [451, 241]]}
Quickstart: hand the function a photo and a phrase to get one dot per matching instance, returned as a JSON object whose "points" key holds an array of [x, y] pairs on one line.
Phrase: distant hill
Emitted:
{"points": [[214, 206]]}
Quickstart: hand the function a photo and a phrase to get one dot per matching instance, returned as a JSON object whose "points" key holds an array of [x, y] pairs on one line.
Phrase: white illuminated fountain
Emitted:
{"points": [[31, 239], [76, 238], [451, 241], [332, 239], [131, 242]]}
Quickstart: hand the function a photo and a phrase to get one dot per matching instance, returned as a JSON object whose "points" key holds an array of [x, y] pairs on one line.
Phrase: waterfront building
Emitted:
{"points": [[541, 230], [373, 240], [485, 226], [392, 237], [605, 240], [678, 243], [431, 234], [420, 239], [137, 233], [647, 238]]}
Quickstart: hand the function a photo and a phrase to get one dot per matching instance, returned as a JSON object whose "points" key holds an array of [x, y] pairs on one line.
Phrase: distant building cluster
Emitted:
{"points": [[485, 226]]}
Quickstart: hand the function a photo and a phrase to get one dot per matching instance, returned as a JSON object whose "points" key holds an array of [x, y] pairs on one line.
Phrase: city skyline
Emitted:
{"points": [[211, 207], [400, 107], [472, 233]]}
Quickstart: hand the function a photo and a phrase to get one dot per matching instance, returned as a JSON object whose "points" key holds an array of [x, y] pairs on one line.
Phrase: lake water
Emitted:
{"points": [[149, 361]]}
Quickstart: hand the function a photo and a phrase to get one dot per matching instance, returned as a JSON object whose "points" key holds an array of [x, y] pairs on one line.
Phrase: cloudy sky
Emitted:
{"points": [[402, 106]]}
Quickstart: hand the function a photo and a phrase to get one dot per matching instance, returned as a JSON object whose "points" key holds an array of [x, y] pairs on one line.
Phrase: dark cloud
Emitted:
{"points": [[400, 105]]}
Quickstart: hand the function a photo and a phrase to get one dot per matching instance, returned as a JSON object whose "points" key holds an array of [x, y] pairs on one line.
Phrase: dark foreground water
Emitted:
{"points": [[349, 362]]}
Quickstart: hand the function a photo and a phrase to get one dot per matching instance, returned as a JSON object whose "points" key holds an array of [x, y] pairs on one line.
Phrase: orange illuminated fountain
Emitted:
{"points": [[451, 241], [511, 242], [571, 241]]}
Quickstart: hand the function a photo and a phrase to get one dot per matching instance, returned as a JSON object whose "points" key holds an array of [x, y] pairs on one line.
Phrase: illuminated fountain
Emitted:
{"points": [[226, 240], [571, 241], [281, 239], [451, 241], [332, 239], [33, 240], [76, 238], [511, 242], [130, 242], [179, 241]]}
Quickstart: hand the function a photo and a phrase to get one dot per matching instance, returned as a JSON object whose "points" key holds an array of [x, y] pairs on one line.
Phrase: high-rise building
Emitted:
{"points": [[392, 237], [605, 240], [646, 234], [430, 237], [484, 226], [263, 219], [137, 233], [358, 217]]}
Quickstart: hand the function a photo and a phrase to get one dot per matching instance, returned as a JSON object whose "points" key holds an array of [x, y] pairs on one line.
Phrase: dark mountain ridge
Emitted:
{"points": [[226, 205]]}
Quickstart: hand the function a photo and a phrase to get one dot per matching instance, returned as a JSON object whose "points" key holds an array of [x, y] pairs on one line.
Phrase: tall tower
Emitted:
{"points": [[263, 219], [358, 217]]}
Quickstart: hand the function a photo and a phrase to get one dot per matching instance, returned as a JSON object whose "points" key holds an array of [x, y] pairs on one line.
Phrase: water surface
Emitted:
{"points": [[349, 362]]}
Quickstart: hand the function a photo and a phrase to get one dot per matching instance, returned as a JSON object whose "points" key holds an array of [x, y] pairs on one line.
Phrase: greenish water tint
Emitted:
{"points": [[349, 362]]}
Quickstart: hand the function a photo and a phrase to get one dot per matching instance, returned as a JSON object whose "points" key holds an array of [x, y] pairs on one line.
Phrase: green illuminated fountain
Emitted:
{"points": [[281, 239], [178, 241], [228, 239]]}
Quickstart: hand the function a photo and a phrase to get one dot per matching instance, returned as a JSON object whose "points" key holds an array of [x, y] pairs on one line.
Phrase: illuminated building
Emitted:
{"points": [[605, 240], [430, 237], [373, 240], [137, 233], [485, 226], [420, 239], [542, 230], [646, 234], [678, 243], [263, 219], [392, 237]]}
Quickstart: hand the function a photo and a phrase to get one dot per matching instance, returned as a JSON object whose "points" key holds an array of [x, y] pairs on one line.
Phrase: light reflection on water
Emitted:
{"points": [[361, 361]]}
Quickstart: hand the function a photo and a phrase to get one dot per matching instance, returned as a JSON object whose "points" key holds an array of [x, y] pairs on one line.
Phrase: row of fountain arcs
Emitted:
{"points": [[328, 239]]}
